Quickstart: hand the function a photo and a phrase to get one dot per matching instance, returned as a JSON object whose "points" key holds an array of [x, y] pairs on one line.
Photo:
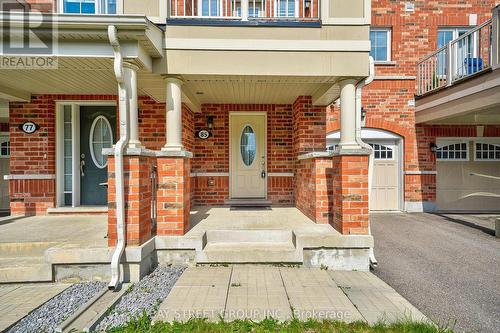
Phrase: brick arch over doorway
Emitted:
{"points": [[418, 187]]}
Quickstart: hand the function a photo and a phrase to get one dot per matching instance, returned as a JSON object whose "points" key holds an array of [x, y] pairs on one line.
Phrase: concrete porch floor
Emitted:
{"points": [[25, 242], [84, 230], [205, 218]]}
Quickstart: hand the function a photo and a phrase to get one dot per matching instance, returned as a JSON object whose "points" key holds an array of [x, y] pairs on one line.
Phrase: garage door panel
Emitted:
{"points": [[467, 201], [458, 190]]}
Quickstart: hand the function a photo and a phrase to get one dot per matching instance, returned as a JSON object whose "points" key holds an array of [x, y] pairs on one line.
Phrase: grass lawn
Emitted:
{"points": [[144, 325]]}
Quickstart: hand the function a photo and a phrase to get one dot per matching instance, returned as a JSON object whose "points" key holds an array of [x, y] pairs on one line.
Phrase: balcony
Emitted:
{"points": [[460, 82], [245, 10], [465, 57]]}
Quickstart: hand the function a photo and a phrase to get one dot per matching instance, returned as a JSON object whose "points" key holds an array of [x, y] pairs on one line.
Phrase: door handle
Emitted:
{"points": [[82, 165]]}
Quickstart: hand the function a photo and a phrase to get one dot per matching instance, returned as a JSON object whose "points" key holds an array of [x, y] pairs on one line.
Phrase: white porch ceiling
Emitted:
{"points": [[95, 76], [79, 76], [254, 90]]}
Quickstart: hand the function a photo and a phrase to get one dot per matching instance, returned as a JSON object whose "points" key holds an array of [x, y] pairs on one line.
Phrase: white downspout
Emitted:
{"points": [[359, 90], [119, 150]]}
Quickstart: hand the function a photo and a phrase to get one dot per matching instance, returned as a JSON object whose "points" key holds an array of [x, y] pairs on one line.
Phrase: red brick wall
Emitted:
{"points": [[34, 154], [152, 123], [414, 35], [309, 126], [212, 155], [281, 190], [313, 176]]}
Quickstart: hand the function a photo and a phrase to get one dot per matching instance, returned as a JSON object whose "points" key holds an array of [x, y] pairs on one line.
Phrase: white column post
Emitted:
{"points": [[130, 71], [174, 115], [244, 10], [348, 115]]}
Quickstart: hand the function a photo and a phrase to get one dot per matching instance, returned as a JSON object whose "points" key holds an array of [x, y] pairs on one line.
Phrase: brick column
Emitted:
{"points": [[314, 193], [174, 194], [350, 193], [138, 196]]}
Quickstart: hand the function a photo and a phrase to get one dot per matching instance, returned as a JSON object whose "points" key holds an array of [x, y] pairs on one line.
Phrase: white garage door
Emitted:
{"points": [[465, 168], [385, 180]]}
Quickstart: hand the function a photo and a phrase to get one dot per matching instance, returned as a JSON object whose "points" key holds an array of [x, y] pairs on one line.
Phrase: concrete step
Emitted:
{"points": [[248, 203], [24, 249], [26, 269], [250, 236], [249, 252], [82, 210]]}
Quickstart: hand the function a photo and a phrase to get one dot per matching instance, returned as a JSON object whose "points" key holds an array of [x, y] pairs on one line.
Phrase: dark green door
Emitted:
{"points": [[97, 131]]}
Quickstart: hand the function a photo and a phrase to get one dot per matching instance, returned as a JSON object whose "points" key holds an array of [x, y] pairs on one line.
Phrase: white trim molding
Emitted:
{"points": [[29, 177], [210, 174], [395, 77], [281, 174], [420, 172]]}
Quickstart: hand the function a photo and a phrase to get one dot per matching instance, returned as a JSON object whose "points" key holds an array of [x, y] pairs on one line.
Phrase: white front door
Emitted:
{"points": [[385, 185], [248, 155]]}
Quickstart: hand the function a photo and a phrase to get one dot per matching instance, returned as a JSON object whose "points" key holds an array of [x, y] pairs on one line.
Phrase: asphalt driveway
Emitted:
{"points": [[448, 266]]}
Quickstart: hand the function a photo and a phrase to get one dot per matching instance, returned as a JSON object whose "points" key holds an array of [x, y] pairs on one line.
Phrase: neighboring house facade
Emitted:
{"points": [[410, 171]]}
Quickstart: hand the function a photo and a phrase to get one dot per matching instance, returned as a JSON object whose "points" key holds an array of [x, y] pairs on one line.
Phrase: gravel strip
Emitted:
{"points": [[145, 297], [56, 310]]}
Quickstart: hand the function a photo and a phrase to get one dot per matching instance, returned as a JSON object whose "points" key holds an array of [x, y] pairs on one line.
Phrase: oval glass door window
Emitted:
{"points": [[248, 146], [101, 136]]}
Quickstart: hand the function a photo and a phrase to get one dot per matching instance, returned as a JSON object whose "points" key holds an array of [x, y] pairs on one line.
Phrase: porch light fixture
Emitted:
{"points": [[210, 122], [433, 147]]}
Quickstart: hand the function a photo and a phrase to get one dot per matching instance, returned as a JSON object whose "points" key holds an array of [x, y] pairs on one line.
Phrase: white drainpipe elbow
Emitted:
{"points": [[359, 90], [119, 151]]}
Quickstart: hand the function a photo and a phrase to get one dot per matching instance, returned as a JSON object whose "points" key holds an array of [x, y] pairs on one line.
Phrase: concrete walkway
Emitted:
{"points": [[257, 292], [17, 301], [446, 265]]}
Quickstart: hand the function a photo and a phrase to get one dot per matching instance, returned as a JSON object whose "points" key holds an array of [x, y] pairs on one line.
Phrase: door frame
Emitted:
{"points": [[399, 156], [370, 134], [75, 133], [246, 113]]}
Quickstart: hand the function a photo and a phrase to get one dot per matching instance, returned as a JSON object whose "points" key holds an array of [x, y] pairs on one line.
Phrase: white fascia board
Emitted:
{"points": [[267, 45], [82, 21], [70, 24]]}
